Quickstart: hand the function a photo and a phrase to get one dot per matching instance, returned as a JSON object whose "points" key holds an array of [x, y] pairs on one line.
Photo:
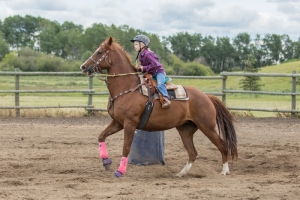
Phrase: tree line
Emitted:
{"points": [[35, 43]]}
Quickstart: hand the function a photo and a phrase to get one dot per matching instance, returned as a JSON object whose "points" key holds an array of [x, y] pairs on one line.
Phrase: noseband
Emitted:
{"points": [[96, 67]]}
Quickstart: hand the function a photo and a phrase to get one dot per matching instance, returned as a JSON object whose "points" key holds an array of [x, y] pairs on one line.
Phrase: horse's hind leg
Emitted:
{"points": [[186, 132], [112, 128], [213, 136]]}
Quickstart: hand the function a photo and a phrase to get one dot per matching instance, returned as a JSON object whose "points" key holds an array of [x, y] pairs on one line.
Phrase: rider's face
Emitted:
{"points": [[137, 45]]}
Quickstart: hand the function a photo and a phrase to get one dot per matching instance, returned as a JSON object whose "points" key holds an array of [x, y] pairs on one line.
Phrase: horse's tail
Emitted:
{"points": [[225, 125]]}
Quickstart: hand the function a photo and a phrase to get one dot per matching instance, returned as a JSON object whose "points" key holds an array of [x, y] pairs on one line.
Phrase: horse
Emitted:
{"points": [[203, 112]]}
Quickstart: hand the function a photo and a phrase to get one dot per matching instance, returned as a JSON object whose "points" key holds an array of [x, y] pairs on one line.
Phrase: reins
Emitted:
{"points": [[103, 77], [114, 75]]}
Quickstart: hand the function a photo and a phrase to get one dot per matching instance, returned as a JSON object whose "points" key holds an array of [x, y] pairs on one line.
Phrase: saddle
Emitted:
{"points": [[149, 88], [176, 92]]}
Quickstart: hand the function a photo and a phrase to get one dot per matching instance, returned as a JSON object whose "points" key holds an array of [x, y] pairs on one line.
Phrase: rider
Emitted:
{"points": [[150, 64]]}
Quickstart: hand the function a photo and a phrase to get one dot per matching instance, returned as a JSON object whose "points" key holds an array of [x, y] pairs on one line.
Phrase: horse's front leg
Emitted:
{"points": [[129, 130], [112, 128]]}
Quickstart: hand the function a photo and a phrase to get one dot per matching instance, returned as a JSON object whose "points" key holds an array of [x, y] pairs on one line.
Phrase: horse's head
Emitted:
{"points": [[99, 60]]}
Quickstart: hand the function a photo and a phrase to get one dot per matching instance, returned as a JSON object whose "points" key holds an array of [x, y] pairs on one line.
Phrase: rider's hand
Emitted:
{"points": [[139, 68]]}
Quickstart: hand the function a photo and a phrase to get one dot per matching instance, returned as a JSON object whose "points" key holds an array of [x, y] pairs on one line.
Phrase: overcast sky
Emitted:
{"points": [[168, 17]]}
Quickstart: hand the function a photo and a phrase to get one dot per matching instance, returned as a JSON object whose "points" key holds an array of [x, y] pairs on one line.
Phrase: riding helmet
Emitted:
{"points": [[141, 38]]}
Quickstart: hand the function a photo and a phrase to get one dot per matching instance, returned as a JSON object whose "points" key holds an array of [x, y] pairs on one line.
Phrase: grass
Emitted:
{"points": [[276, 84], [57, 100], [53, 112]]}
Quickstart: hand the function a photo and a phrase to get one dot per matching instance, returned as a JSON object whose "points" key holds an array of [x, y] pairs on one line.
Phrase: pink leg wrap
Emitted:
{"points": [[102, 150], [123, 165]]}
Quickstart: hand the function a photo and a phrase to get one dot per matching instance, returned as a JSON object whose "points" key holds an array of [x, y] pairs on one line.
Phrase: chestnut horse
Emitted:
{"points": [[126, 105]]}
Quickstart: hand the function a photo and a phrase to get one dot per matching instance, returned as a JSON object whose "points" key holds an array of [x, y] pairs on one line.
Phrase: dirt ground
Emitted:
{"points": [[58, 158]]}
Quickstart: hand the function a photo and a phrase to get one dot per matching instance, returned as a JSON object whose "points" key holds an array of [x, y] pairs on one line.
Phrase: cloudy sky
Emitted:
{"points": [[168, 17]]}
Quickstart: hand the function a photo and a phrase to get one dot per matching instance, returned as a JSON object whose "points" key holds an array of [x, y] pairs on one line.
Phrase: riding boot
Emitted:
{"points": [[168, 81], [167, 103]]}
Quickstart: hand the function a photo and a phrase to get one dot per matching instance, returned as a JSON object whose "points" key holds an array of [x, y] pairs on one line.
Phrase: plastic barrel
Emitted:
{"points": [[147, 148]]}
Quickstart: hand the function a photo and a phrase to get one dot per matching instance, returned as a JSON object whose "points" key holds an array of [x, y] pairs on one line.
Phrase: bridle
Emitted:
{"points": [[96, 68]]}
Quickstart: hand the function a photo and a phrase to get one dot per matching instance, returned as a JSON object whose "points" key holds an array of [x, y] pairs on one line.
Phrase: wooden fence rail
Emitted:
{"points": [[17, 91], [90, 92], [293, 94]]}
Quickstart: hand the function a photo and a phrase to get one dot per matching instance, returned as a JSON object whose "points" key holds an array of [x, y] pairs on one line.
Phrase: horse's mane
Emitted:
{"points": [[116, 45]]}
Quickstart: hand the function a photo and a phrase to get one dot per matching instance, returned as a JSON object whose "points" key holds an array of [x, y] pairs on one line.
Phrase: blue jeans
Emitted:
{"points": [[160, 78]]}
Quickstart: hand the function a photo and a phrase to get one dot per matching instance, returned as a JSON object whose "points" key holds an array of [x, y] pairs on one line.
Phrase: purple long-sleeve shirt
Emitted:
{"points": [[150, 62]]}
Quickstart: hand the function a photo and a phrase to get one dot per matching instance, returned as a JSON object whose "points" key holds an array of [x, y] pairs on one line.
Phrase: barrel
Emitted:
{"points": [[147, 148]]}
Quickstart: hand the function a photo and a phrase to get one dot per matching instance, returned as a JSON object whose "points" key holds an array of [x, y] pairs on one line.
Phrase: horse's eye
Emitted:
{"points": [[99, 52]]}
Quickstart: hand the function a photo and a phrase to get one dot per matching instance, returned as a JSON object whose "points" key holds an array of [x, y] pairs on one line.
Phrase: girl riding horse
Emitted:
{"points": [[150, 64]]}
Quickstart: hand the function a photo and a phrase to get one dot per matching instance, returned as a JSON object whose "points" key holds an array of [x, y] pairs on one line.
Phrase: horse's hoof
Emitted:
{"points": [[107, 167], [117, 174], [107, 163], [224, 173]]}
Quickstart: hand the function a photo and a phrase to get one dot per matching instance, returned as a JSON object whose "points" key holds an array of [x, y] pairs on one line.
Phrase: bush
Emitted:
{"points": [[28, 60], [178, 67], [196, 69], [10, 62]]}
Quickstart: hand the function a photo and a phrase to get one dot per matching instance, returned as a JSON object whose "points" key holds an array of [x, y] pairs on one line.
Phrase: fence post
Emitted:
{"points": [[90, 96], [293, 93], [224, 88], [17, 94]]}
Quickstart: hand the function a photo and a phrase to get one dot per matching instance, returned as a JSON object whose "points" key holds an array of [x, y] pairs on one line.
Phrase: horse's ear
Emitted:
{"points": [[110, 41]]}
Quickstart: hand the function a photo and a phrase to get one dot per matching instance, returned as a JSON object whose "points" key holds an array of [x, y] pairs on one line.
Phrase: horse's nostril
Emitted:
{"points": [[82, 67]]}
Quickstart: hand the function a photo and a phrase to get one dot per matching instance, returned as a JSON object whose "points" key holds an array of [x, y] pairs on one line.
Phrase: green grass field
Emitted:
{"points": [[275, 84]]}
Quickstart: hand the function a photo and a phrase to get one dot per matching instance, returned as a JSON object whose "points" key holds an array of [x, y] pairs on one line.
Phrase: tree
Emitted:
{"points": [[257, 51], [73, 44], [165, 46], [20, 31], [250, 82], [273, 47], [296, 49], [3, 47], [93, 36], [122, 35], [69, 40], [224, 55], [156, 46], [287, 48], [241, 43], [209, 51], [176, 64], [187, 47], [48, 40]]}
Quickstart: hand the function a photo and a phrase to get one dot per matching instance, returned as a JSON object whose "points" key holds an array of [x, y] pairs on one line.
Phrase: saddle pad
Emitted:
{"points": [[176, 92]]}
